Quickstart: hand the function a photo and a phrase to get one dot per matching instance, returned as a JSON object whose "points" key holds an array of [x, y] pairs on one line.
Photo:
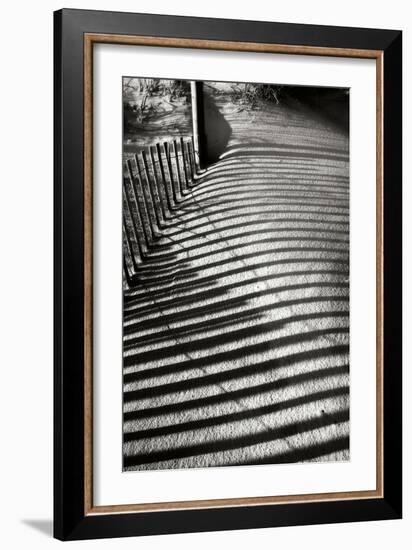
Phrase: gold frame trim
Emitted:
{"points": [[89, 40]]}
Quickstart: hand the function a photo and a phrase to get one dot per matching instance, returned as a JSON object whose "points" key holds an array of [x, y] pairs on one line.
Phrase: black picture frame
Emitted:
{"points": [[71, 522]]}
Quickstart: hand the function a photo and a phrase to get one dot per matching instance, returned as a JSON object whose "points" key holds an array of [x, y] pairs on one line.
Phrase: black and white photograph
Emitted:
{"points": [[235, 274]]}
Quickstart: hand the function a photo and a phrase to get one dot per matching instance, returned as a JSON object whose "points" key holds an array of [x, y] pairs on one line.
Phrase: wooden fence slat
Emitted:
{"points": [[159, 187], [128, 245], [152, 179], [128, 213], [148, 215], [162, 172], [153, 204], [170, 173], [139, 209], [179, 181], [182, 149]]}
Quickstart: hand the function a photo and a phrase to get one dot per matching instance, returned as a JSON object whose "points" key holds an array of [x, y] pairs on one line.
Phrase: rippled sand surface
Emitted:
{"points": [[236, 343]]}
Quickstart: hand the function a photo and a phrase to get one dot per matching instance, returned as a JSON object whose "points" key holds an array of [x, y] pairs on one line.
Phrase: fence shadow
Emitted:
{"points": [[236, 305]]}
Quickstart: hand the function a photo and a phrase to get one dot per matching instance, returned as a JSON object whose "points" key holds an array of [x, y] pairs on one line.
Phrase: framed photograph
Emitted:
{"points": [[227, 274]]}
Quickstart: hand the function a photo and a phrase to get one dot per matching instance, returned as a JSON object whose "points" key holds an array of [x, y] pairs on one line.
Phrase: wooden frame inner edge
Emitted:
{"points": [[89, 40]]}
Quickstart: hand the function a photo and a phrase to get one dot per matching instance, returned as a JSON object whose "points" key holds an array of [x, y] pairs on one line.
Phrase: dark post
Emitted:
{"points": [[182, 148], [198, 118], [190, 154]]}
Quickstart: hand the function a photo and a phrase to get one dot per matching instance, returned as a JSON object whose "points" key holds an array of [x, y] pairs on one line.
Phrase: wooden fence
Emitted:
{"points": [[156, 181]]}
